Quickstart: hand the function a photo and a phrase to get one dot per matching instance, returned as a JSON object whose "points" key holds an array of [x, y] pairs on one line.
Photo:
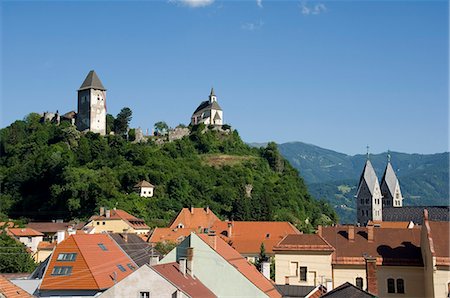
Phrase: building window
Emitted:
{"points": [[103, 223], [131, 266], [293, 269], [62, 270], [121, 268], [362, 201], [390, 285], [98, 223], [30, 239], [303, 271], [400, 286], [359, 282], [144, 294], [102, 246], [67, 257]]}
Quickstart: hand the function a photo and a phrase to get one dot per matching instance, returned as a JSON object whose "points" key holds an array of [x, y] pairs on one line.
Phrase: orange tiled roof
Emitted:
{"points": [[169, 234], [193, 287], [45, 245], [391, 224], [7, 224], [10, 290], [24, 232], [93, 268], [389, 246], [241, 264], [144, 183], [305, 242], [247, 236], [195, 218], [440, 231], [133, 221]]}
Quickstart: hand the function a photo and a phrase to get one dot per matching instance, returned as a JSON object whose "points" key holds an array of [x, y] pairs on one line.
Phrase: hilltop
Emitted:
{"points": [[51, 171], [424, 178]]}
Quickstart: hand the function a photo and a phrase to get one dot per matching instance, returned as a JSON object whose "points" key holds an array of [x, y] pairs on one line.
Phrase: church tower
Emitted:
{"points": [[92, 105], [390, 187], [368, 196]]}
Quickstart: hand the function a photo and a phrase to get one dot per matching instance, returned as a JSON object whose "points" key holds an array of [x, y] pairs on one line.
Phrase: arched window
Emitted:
{"points": [[400, 286], [359, 282], [390, 285]]}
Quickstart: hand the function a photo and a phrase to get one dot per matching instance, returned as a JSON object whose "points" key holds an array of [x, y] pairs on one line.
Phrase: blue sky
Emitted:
{"points": [[337, 74]]}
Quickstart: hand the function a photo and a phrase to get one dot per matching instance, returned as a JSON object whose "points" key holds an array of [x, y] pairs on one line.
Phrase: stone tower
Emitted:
{"points": [[92, 105], [390, 187], [368, 196]]}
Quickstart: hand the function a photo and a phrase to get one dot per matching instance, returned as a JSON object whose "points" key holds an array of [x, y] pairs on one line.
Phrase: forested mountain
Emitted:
{"points": [[424, 178], [51, 171]]}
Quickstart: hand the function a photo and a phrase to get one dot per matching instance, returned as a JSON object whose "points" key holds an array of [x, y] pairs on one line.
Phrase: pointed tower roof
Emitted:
{"points": [[389, 178], [212, 92], [368, 176], [92, 82]]}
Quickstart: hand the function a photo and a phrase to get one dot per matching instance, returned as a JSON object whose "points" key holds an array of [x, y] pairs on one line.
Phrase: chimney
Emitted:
{"points": [[351, 233], [319, 230], [286, 280], [125, 237], [192, 209], [154, 260], [60, 236], [107, 213], [190, 261], [183, 266], [371, 275], [207, 209], [230, 229], [265, 269], [102, 211], [370, 237]]}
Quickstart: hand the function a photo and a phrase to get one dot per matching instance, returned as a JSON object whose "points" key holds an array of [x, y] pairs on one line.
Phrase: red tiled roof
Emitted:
{"points": [[440, 231], [93, 268], [195, 218], [192, 287], [247, 236], [248, 270], [169, 234], [391, 224], [390, 246], [10, 290], [144, 183], [7, 224], [48, 227], [305, 242], [24, 232], [45, 245], [133, 221]]}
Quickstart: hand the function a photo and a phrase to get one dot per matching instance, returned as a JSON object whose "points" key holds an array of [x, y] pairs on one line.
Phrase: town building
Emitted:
{"points": [[137, 249], [91, 115], [390, 187], [30, 237], [144, 189], [368, 196], [10, 290], [117, 221], [208, 112], [196, 219]]}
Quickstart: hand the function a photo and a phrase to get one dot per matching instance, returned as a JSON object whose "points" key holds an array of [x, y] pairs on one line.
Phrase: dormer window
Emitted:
{"points": [[102, 246]]}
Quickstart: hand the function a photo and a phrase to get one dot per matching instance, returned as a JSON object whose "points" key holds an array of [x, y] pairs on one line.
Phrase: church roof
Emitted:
{"points": [[389, 178], [212, 92], [92, 82], [217, 117], [206, 105], [368, 176]]}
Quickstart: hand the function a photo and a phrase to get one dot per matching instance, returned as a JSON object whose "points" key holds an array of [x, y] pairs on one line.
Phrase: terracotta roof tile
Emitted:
{"points": [[144, 183], [440, 231], [93, 268], [169, 234], [195, 218], [45, 245], [24, 232], [48, 227], [247, 236], [389, 246], [304, 242], [392, 224], [133, 221], [248, 270], [192, 287], [10, 290]]}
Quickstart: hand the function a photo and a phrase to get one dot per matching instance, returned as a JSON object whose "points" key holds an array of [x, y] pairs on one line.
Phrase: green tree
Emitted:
{"points": [[122, 121], [14, 257], [109, 123], [161, 128]]}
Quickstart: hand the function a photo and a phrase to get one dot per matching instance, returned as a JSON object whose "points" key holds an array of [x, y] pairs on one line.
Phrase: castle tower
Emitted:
{"points": [[390, 187], [368, 196], [92, 105]]}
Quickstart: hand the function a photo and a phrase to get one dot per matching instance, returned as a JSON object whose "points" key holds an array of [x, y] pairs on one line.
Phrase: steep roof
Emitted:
{"points": [[399, 247], [144, 183], [305, 242], [93, 268], [194, 218], [169, 234], [133, 221], [247, 236], [10, 290], [415, 213], [348, 290], [192, 287], [136, 248], [207, 105], [92, 82], [45, 245], [48, 227], [368, 176], [24, 232], [241, 264], [438, 235], [389, 180]]}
